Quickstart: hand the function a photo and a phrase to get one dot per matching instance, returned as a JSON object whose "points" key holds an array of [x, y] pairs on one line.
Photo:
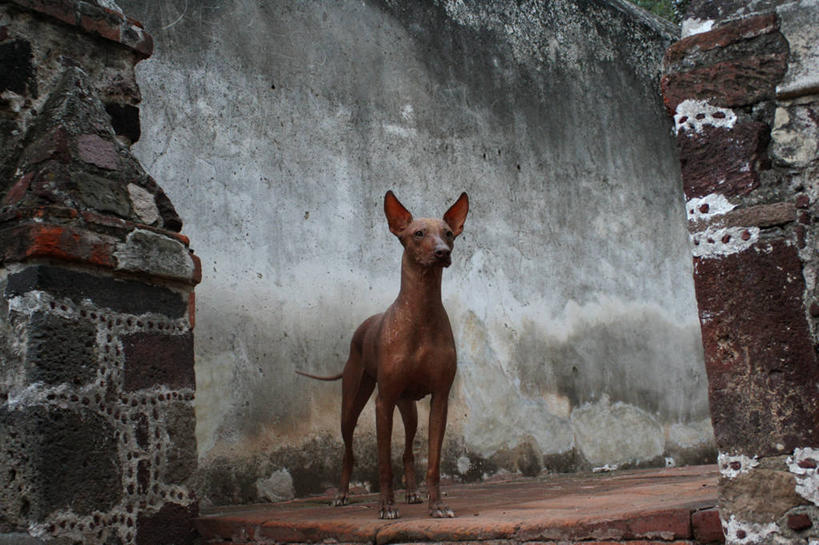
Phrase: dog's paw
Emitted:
{"points": [[338, 501], [388, 512], [414, 497], [441, 511]]}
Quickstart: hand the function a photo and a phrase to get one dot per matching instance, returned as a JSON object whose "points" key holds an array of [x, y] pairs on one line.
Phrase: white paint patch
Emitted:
{"points": [[611, 434], [751, 532], [719, 242], [407, 112], [692, 434], [696, 26], [696, 114], [398, 130], [807, 478], [464, 464], [705, 208], [604, 468], [732, 465], [109, 4], [277, 487]]}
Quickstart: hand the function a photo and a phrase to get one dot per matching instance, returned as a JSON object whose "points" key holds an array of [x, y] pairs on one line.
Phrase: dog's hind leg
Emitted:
{"points": [[357, 389], [409, 415]]}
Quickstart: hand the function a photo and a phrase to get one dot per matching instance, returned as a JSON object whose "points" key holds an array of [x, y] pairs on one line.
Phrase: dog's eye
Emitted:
{"points": [[449, 234], [419, 234]]}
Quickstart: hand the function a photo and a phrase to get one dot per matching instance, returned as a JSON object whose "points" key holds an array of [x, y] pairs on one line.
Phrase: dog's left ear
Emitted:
{"points": [[456, 215]]}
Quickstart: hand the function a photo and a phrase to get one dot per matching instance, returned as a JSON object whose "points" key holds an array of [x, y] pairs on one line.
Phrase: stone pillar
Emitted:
{"points": [[97, 441], [742, 86]]}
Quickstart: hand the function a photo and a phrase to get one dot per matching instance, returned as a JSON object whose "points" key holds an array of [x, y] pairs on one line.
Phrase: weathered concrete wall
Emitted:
{"points": [[283, 124]]}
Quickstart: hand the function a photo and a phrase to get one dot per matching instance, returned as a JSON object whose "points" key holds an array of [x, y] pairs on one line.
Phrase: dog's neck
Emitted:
{"points": [[420, 287]]}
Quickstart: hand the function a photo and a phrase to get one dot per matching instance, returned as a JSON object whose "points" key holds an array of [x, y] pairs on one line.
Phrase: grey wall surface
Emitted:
{"points": [[276, 127]]}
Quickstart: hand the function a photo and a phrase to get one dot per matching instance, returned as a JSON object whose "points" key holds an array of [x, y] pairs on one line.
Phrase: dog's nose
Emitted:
{"points": [[442, 253]]}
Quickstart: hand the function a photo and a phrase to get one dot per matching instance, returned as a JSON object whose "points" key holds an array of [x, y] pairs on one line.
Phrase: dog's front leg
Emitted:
{"points": [[384, 408], [437, 426], [409, 415]]}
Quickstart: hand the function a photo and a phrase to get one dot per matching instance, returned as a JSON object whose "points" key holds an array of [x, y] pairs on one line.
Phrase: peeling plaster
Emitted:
{"points": [[751, 532], [695, 114], [732, 465], [696, 26], [719, 242], [705, 208], [807, 478]]}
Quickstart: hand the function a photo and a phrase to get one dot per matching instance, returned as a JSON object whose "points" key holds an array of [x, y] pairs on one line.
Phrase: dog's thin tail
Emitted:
{"points": [[308, 375]]}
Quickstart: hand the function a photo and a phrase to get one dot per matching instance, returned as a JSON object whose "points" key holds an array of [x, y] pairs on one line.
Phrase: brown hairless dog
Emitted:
{"points": [[409, 351]]}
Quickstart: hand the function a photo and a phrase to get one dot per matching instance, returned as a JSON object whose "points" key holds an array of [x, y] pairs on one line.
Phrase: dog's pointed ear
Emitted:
{"points": [[456, 215], [398, 217]]}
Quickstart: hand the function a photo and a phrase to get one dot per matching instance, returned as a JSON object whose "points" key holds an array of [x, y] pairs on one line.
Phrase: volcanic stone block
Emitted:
{"points": [[171, 524], [759, 356], [722, 160], [158, 359], [61, 350], [182, 456], [118, 295], [66, 458], [104, 195]]}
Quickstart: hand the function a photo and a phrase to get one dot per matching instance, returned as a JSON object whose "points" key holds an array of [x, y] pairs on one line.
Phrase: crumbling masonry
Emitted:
{"points": [[96, 292], [96, 283], [742, 88]]}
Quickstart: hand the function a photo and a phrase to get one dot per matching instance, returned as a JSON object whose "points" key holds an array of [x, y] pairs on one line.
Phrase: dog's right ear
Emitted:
{"points": [[398, 217]]}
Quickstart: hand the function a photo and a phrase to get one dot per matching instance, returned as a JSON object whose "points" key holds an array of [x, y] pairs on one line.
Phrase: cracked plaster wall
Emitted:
{"points": [[279, 126]]}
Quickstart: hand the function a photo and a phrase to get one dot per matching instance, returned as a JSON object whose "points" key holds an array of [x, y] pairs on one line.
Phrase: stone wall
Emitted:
{"points": [[279, 126], [96, 285], [742, 86]]}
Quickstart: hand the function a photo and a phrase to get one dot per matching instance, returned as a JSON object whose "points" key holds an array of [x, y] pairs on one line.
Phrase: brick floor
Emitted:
{"points": [[640, 507]]}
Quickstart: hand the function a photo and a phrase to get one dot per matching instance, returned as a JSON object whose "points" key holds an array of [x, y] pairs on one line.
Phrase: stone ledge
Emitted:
{"points": [[721, 36], [96, 20], [643, 506], [763, 215], [67, 242]]}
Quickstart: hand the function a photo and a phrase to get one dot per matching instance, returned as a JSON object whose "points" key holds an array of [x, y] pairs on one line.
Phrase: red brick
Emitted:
{"points": [[18, 190], [59, 242], [64, 10], [192, 309], [726, 84], [101, 27], [720, 160], [197, 269], [674, 524], [721, 36], [707, 526], [96, 20]]}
